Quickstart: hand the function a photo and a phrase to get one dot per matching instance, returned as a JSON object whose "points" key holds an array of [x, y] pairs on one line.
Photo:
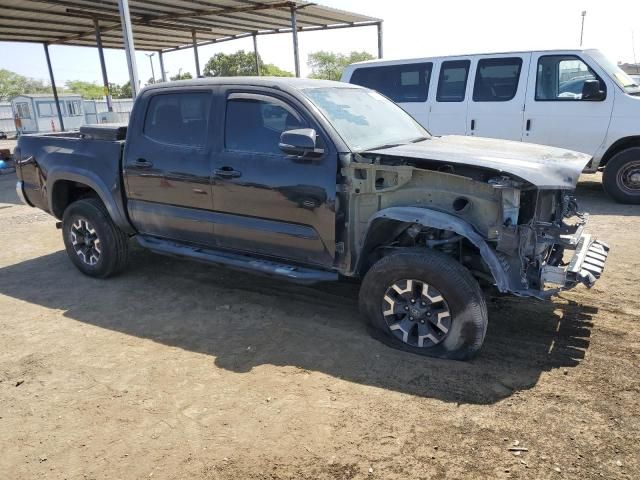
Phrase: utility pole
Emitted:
{"points": [[584, 14], [153, 73]]}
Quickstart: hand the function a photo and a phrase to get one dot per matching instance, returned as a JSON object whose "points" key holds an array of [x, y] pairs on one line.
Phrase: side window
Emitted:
{"points": [[22, 109], [254, 125], [562, 77], [497, 79], [178, 118], [46, 109], [74, 107], [401, 83], [452, 82]]}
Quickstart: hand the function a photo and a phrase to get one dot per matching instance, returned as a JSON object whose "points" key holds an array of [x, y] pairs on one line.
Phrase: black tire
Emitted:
{"points": [[616, 179], [462, 297], [90, 214]]}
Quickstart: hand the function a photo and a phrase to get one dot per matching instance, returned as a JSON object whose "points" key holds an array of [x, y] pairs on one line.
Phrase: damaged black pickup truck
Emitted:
{"points": [[311, 181]]}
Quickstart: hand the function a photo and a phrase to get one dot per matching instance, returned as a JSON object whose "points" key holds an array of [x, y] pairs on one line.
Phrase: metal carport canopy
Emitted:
{"points": [[164, 25]]}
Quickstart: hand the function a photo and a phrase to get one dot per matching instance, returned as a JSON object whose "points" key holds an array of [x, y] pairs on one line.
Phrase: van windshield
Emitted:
{"points": [[616, 73], [365, 119]]}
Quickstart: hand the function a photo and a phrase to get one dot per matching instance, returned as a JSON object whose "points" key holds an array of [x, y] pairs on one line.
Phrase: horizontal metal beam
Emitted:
{"points": [[274, 32]]}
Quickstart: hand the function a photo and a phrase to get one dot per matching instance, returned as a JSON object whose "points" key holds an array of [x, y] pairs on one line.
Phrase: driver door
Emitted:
{"points": [[268, 202]]}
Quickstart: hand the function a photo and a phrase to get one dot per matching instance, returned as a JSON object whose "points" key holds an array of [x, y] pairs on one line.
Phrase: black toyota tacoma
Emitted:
{"points": [[311, 181]]}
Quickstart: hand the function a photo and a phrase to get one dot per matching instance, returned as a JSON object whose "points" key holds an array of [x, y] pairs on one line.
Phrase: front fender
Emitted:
{"points": [[442, 221]]}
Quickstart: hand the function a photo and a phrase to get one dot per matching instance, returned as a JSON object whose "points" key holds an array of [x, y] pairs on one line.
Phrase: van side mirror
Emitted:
{"points": [[300, 142], [591, 91]]}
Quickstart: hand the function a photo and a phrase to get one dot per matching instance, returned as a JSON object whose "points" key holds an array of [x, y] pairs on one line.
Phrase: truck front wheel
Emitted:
{"points": [[621, 178], [425, 302], [95, 245]]}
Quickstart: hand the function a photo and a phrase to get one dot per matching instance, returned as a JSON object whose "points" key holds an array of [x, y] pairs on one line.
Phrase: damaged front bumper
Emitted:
{"points": [[586, 265]]}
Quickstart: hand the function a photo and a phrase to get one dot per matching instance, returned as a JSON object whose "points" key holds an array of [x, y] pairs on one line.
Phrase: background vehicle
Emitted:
{"points": [[309, 180], [575, 99]]}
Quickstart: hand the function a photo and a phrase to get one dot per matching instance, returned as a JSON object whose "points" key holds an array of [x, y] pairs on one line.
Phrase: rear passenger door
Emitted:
{"points": [[167, 166], [448, 112], [498, 95], [406, 84]]}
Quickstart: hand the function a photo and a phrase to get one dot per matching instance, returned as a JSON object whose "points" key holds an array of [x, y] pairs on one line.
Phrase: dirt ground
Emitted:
{"points": [[178, 370]]}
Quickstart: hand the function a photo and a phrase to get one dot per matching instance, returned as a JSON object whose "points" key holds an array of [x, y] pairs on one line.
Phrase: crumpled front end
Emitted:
{"points": [[549, 250]]}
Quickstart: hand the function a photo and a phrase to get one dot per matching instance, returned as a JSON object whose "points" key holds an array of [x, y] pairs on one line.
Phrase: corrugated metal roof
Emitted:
{"points": [[163, 24]]}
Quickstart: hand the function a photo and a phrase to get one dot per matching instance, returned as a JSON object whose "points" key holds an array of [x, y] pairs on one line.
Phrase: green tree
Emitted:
{"points": [[271, 70], [329, 65], [12, 84], [181, 76], [88, 90], [239, 64], [120, 91]]}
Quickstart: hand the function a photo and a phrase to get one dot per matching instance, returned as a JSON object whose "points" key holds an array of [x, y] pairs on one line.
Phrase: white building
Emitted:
{"points": [[37, 113]]}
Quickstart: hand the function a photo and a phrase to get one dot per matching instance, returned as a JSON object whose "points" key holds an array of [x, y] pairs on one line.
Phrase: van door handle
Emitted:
{"points": [[528, 127], [226, 172], [473, 125], [143, 163]]}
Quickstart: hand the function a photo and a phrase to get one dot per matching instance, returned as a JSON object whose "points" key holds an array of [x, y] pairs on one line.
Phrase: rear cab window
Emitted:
{"points": [[562, 77], [179, 118], [401, 83], [497, 79], [452, 81]]}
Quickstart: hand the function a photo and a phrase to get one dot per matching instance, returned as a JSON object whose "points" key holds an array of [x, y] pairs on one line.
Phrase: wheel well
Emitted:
{"points": [[617, 147], [65, 192]]}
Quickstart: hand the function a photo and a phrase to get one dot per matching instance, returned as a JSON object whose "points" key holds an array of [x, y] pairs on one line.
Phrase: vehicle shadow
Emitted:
{"points": [[593, 199], [243, 321]]}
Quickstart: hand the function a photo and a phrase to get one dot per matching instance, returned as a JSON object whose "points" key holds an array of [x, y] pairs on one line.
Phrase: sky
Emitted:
{"points": [[412, 28]]}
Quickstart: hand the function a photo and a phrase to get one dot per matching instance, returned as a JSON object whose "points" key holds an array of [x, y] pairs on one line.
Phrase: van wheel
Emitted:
{"points": [[621, 177], [424, 302], [95, 245]]}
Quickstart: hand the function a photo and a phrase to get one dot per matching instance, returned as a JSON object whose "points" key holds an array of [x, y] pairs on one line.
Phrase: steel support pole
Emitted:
{"points": [[294, 32], [255, 53], [195, 52], [380, 40], [163, 74], [53, 86], [129, 47], [103, 66]]}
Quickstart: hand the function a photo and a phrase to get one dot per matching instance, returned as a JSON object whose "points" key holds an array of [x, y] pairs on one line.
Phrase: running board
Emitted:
{"points": [[292, 273]]}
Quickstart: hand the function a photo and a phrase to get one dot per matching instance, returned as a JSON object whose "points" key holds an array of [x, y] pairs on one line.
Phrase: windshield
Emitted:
{"points": [[365, 119], [617, 74]]}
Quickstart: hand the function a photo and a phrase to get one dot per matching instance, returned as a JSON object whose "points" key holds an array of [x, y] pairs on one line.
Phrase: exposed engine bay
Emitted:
{"points": [[535, 236]]}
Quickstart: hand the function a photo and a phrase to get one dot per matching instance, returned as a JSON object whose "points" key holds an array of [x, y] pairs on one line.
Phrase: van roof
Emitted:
{"points": [[436, 57]]}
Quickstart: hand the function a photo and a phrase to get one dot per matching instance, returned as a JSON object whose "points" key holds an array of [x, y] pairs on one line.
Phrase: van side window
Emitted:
{"points": [[401, 83], [452, 82], [562, 77], [497, 79], [178, 118]]}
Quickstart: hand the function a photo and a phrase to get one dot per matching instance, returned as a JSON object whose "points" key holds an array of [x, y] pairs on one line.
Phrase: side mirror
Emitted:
{"points": [[300, 142], [591, 91]]}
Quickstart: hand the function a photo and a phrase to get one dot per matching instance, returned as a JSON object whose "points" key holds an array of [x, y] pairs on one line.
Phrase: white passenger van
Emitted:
{"points": [[574, 99]]}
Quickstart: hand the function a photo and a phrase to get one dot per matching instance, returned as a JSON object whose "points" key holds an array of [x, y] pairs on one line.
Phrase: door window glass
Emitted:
{"points": [[23, 110], [497, 79], [452, 82], [561, 77], [255, 126], [178, 118], [401, 83]]}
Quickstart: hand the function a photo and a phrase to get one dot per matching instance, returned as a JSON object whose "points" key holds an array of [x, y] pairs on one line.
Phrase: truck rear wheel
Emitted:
{"points": [[621, 177], [423, 301], [95, 245]]}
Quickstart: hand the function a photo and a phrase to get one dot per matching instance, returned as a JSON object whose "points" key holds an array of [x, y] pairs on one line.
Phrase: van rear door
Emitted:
{"points": [[555, 112], [498, 95]]}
